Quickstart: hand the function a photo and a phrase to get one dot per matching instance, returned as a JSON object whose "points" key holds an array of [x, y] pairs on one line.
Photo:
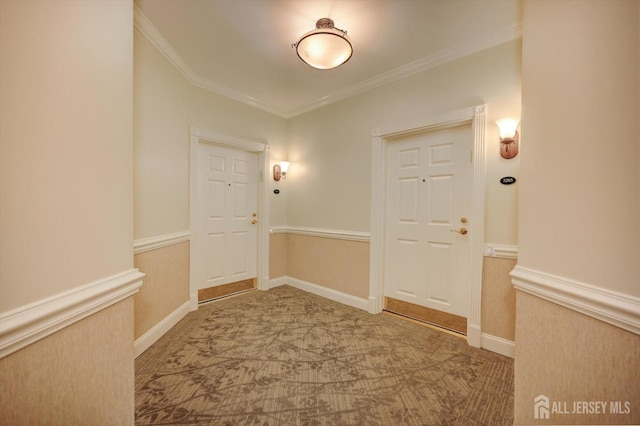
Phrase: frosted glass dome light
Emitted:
{"points": [[326, 47]]}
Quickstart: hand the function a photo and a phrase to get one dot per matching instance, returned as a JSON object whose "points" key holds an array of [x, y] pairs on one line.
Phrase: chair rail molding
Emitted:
{"points": [[618, 309], [323, 233], [504, 251], [28, 324], [153, 243]]}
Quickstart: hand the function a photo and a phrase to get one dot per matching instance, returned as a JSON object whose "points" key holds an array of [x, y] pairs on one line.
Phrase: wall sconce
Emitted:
{"points": [[509, 136], [280, 170]]}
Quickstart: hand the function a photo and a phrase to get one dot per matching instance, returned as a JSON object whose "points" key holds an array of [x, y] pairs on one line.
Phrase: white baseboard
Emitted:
{"points": [[143, 342], [193, 302], [318, 290], [498, 345], [474, 336], [276, 282], [28, 324]]}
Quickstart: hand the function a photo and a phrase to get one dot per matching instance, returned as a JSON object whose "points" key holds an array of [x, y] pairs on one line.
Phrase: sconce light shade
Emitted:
{"points": [[508, 136], [280, 170], [325, 47], [508, 126]]}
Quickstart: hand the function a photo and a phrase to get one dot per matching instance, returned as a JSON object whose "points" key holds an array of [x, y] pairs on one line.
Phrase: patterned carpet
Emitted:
{"points": [[287, 357]]}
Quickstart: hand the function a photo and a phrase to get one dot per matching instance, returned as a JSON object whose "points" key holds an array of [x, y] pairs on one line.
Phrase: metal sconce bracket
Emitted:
{"points": [[509, 146], [278, 173]]}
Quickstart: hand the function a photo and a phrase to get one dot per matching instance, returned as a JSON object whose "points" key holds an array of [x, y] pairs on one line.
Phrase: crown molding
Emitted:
{"points": [[142, 23], [439, 58]]}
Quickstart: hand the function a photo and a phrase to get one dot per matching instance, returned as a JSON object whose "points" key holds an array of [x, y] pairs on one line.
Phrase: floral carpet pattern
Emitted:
{"points": [[287, 357]]}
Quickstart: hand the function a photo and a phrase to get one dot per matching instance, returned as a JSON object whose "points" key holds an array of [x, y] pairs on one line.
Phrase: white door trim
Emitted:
{"points": [[476, 116], [197, 137]]}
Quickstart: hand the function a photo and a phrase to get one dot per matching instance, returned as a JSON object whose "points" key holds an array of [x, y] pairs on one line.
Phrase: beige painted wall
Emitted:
{"points": [[66, 203], [65, 146], [166, 285], [161, 143], [579, 200], [81, 375], [330, 148], [166, 105]]}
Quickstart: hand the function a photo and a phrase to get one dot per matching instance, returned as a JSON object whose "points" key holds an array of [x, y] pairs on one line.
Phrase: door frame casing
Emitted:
{"points": [[197, 264], [476, 116]]}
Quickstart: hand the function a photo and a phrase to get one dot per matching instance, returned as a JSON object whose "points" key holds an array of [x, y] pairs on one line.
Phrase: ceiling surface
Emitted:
{"points": [[242, 48]]}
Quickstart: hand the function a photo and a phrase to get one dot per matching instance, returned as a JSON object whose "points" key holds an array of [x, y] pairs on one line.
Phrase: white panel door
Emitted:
{"points": [[429, 183], [230, 202]]}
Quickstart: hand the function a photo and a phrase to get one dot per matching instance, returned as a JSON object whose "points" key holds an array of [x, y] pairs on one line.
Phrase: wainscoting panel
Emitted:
{"points": [[338, 264], [568, 356], [498, 298], [166, 285], [80, 375], [278, 254]]}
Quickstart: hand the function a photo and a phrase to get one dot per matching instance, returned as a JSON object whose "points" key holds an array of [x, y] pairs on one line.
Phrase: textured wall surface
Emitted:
{"points": [[166, 284], [81, 375], [570, 357], [340, 265], [498, 298], [278, 255]]}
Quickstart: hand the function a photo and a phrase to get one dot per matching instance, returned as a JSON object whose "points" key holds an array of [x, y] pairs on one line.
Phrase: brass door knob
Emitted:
{"points": [[253, 222], [462, 231]]}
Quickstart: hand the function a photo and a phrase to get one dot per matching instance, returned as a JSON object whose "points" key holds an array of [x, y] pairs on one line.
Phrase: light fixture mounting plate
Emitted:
{"points": [[325, 23]]}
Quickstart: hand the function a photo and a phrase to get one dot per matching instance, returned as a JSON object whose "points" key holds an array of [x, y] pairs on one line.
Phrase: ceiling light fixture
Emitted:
{"points": [[326, 47]]}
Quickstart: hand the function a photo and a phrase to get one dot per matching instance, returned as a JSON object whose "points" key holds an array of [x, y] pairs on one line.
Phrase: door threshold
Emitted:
{"points": [[226, 296], [435, 317], [217, 292], [426, 324]]}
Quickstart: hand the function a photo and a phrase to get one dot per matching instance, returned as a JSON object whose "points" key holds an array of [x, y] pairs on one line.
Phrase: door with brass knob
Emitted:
{"points": [[429, 181], [228, 243]]}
